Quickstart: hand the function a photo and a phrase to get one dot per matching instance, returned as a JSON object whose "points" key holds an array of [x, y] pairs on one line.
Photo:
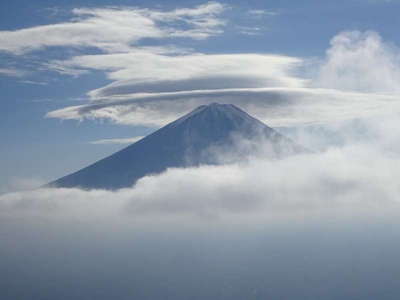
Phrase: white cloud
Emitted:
{"points": [[115, 29], [155, 85], [203, 20], [357, 176], [252, 218], [148, 82], [326, 180], [144, 66], [107, 29], [361, 61], [117, 141], [142, 75], [359, 75], [275, 106], [266, 219]]}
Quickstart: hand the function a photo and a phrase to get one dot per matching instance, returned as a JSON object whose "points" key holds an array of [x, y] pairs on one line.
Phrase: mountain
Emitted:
{"points": [[210, 134]]}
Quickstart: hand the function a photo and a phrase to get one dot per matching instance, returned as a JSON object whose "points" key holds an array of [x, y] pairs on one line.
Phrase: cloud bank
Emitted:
{"points": [[358, 176], [328, 219]]}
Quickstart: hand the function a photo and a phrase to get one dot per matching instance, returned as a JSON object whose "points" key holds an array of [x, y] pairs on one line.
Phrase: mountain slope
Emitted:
{"points": [[194, 139]]}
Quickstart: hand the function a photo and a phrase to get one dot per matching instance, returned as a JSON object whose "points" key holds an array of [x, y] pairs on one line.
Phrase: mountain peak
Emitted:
{"points": [[216, 114], [189, 141], [218, 107]]}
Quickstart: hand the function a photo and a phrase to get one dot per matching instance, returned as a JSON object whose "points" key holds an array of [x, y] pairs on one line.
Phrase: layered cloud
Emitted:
{"points": [[276, 106], [152, 84], [144, 66], [356, 80]]}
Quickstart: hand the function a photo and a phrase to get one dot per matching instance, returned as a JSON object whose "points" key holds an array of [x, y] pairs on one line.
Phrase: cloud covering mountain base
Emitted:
{"points": [[322, 225], [358, 174]]}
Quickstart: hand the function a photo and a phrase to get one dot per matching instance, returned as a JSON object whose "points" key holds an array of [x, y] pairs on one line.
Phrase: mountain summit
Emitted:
{"points": [[199, 137]]}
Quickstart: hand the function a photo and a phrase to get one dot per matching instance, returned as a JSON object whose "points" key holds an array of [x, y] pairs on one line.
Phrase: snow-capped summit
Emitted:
{"points": [[220, 112], [189, 141]]}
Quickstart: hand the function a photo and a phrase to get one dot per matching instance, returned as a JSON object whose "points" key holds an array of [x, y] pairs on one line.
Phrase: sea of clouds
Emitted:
{"points": [[322, 225]]}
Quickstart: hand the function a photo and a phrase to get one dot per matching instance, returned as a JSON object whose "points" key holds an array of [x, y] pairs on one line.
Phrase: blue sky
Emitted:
{"points": [[57, 55]]}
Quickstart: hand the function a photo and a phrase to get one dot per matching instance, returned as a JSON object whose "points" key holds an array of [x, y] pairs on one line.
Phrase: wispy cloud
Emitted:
{"points": [[34, 82], [121, 141], [261, 13], [116, 29], [249, 30]]}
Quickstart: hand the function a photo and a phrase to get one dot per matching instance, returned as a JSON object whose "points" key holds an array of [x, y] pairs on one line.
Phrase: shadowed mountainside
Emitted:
{"points": [[194, 139]]}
